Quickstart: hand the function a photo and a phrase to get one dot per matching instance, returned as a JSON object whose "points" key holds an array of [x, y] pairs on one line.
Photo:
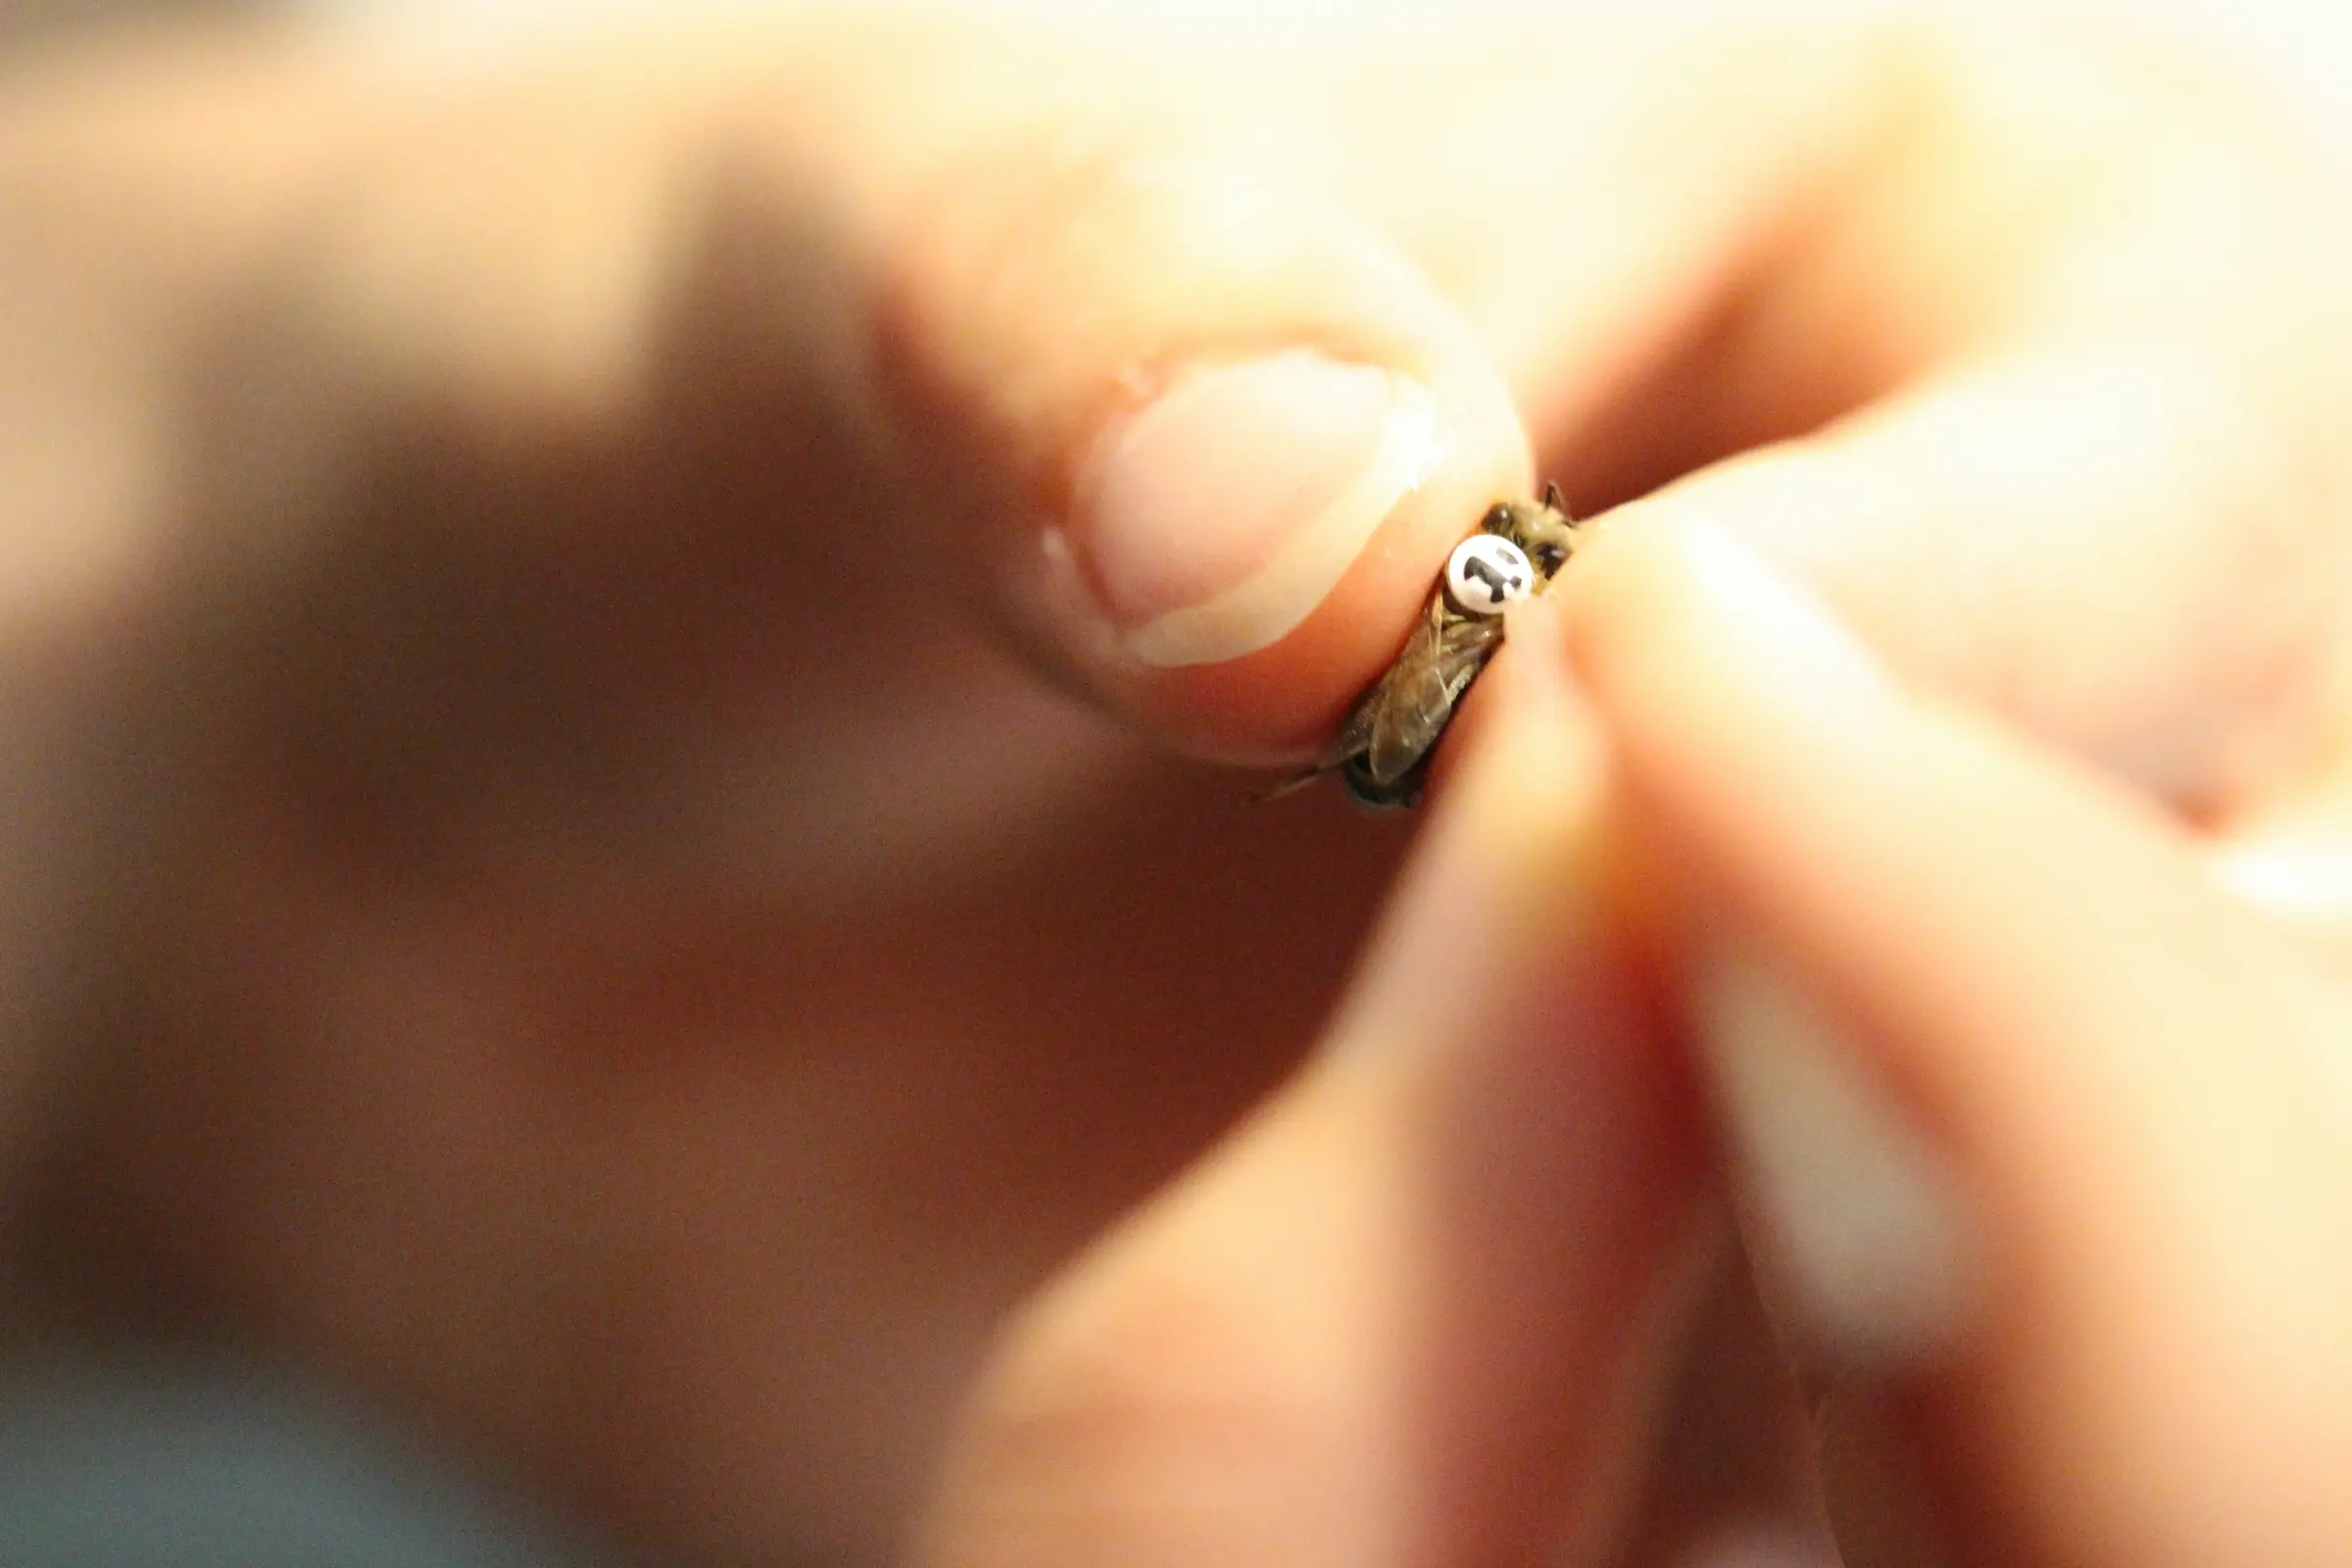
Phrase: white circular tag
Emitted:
{"points": [[1486, 573]]}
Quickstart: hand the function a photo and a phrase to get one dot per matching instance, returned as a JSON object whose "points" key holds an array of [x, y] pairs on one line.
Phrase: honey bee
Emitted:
{"points": [[1382, 751]]}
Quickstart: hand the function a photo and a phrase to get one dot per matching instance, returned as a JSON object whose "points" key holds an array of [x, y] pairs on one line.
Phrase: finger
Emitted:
{"points": [[2106, 547], [2089, 367], [2032, 1120], [728, 334], [1400, 1315], [1222, 433]]}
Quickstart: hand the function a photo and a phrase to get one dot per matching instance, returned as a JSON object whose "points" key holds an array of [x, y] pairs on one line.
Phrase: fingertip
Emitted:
{"points": [[2025, 1117], [1721, 683], [1258, 594], [1217, 433], [1665, 593]]}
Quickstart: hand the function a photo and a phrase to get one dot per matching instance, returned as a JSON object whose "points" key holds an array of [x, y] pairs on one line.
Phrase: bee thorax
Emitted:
{"points": [[1485, 573]]}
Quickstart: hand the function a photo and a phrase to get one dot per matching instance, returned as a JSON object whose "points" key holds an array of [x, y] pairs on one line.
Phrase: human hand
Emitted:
{"points": [[649, 937], [2040, 1124]]}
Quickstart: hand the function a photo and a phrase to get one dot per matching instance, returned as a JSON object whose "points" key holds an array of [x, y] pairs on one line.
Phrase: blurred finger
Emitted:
{"points": [[2105, 547], [1403, 1315], [725, 331], [2031, 1120], [2062, 354]]}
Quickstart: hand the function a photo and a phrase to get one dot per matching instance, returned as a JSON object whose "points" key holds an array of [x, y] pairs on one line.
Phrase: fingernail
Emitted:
{"points": [[1854, 1221], [1214, 521]]}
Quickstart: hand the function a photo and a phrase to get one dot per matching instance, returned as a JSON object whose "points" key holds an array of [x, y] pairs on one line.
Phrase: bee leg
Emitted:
{"points": [[1396, 795], [1345, 748], [1289, 786]]}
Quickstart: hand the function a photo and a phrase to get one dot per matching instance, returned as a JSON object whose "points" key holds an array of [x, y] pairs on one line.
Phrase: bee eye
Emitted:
{"points": [[1498, 518], [1551, 557]]}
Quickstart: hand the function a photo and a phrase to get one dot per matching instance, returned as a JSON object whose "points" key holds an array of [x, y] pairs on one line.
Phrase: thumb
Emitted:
{"points": [[663, 336], [1225, 434]]}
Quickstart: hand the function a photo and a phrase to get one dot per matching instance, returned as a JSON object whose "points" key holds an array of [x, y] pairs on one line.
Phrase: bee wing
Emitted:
{"points": [[1355, 738], [1416, 700], [1355, 734], [1394, 724]]}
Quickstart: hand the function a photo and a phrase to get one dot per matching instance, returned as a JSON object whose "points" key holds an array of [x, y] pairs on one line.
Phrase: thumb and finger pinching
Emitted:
{"points": [[1191, 437], [2041, 1135]]}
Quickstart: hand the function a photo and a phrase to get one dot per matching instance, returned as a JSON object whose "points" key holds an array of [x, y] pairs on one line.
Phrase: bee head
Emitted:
{"points": [[1539, 528]]}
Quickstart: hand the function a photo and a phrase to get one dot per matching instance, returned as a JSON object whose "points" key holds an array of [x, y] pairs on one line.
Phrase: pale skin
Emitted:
{"points": [[547, 873]]}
